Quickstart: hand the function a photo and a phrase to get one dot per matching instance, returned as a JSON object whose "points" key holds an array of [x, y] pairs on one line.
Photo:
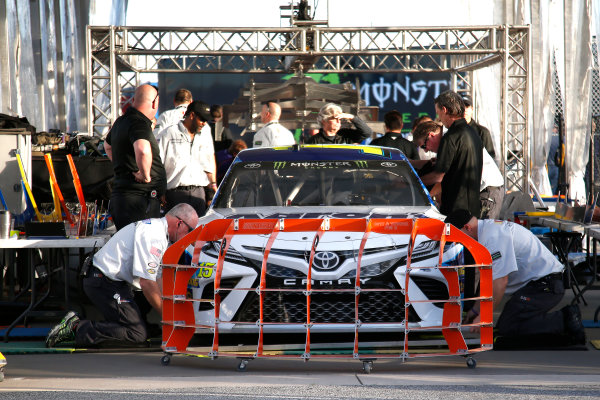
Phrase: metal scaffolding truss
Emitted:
{"points": [[117, 55]]}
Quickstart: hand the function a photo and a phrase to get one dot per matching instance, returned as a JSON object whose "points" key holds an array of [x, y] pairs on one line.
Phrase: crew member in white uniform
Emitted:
{"points": [[525, 269], [130, 259], [272, 134], [183, 98], [188, 155]]}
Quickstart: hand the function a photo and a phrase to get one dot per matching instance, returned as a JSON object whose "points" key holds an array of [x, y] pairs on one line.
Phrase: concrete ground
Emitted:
{"points": [[498, 375]]}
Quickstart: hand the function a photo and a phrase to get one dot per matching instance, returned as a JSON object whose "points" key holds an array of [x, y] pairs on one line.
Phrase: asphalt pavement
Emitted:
{"points": [[547, 374]]}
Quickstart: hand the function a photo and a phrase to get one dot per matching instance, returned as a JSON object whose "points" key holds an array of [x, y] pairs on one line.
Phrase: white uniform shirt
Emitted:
{"points": [[516, 253], [134, 252], [490, 174], [186, 161], [169, 117], [273, 134]]}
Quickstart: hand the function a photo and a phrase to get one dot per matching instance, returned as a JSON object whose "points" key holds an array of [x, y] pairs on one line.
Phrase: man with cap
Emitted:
{"points": [[524, 269], [482, 131], [188, 155]]}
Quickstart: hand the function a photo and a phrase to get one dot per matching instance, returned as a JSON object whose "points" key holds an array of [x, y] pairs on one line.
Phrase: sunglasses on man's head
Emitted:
{"points": [[424, 145]]}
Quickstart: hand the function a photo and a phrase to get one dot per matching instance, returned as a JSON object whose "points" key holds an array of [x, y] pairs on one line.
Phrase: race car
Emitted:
{"points": [[306, 182]]}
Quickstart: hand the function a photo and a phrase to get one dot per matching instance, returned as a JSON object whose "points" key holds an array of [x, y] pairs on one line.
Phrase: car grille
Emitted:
{"points": [[326, 308], [433, 289]]}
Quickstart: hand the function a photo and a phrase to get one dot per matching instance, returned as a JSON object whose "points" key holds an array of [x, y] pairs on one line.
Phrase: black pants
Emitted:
{"points": [[491, 199], [122, 318], [526, 312], [126, 208], [195, 196]]}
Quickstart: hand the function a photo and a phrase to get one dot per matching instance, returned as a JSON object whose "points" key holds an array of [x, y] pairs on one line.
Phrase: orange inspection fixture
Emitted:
{"points": [[179, 323], [83, 214], [56, 193]]}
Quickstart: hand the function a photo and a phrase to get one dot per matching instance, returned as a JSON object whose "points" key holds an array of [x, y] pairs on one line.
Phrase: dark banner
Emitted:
{"points": [[410, 94]]}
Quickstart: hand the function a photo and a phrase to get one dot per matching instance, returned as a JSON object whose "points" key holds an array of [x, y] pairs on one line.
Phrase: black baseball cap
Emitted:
{"points": [[459, 218], [467, 100], [199, 108]]}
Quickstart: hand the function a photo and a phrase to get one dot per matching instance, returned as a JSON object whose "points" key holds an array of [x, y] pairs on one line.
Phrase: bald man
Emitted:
{"points": [[140, 177], [272, 134]]}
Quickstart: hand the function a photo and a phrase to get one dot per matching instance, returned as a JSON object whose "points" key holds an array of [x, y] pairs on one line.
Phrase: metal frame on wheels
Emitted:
{"points": [[117, 55]]}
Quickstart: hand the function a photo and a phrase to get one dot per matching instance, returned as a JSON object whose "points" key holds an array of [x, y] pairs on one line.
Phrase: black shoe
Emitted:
{"points": [[573, 325], [64, 331]]}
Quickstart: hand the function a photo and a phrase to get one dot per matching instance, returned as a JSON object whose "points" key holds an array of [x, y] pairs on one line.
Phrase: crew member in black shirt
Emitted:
{"points": [[482, 131], [459, 158], [330, 117], [140, 178], [393, 136]]}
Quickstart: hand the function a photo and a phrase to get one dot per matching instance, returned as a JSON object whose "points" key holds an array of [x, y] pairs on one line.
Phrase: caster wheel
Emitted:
{"points": [[165, 360], [471, 363], [242, 366], [367, 367]]}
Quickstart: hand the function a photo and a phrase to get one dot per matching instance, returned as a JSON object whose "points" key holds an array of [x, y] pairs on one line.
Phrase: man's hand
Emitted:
{"points": [[140, 178], [346, 116]]}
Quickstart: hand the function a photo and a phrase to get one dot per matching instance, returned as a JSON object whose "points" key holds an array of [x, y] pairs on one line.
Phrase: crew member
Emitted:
{"points": [[140, 178], [524, 269], [130, 259], [187, 151], [459, 158], [272, 134], [183, 98]]}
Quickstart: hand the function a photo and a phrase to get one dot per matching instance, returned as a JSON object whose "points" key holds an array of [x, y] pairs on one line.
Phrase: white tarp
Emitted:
{"points": [[578, 65]]}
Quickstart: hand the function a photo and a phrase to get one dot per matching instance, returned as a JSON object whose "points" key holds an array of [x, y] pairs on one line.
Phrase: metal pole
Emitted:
{"points": [[88, 80], [504, 114]]}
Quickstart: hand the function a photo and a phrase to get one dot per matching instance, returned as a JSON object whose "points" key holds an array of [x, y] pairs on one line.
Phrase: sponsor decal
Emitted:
{"points": [[361, 164], [388, 164], [152, 268], [497, 255], [252, 165], [205, 269], [321, 164], [258, 143], [279, 164]]}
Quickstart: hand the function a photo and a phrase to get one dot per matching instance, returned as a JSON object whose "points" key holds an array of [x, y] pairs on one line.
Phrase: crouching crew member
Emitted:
{"points": [[525, 269], [130, 259]]}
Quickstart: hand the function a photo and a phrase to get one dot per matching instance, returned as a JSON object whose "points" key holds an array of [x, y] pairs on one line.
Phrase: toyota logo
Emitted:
{"points": [[389, 164], [254, 165], [326, 260]]}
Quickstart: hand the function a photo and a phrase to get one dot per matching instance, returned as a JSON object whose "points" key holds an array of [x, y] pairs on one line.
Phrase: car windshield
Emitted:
{"points": [[321, 183]]}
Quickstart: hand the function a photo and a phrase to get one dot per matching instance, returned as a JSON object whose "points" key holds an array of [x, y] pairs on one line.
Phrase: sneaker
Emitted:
{"points": [[63, 331], [573, 325]]}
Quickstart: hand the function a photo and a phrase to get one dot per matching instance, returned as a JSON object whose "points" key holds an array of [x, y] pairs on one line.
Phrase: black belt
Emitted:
{"points": [[187, 188], [548, 278]]}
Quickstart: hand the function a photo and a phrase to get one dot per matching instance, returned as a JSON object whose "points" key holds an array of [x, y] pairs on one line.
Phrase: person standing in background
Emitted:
{"points": [[140, 177]]}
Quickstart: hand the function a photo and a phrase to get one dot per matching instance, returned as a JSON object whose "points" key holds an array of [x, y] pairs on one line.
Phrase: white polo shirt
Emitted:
{"points": [[134, 252], [273, 134], [169, 117], [186, 161], [516, 253], [490, 173]]}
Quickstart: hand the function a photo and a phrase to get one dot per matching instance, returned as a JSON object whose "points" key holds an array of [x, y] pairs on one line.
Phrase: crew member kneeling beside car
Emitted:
{"points": [[525, 269], [131, 258]]}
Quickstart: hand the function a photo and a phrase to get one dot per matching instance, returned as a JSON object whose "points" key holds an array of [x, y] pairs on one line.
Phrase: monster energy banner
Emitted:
{"points": [[410, 94]]}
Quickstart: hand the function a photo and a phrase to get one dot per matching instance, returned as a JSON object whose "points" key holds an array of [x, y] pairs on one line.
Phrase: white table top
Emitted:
{"points": [[84, 242]]}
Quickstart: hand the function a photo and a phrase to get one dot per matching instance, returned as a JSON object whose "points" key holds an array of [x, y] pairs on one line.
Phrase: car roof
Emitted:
{"points": [[321, 152]]}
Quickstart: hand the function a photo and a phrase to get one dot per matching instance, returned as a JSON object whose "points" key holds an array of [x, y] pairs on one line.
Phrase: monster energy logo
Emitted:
{"points": [[279, 164], [361, 164]]}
